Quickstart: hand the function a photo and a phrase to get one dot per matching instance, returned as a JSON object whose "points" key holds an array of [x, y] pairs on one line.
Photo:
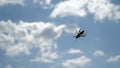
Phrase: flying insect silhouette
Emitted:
{"points": [[80, 33]]}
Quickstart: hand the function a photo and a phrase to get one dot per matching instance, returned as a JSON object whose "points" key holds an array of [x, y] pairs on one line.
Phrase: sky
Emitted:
{"points": [[40, 34]]}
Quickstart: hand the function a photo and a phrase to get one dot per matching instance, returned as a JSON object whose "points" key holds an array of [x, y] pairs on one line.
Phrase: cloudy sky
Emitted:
{"points": [[40, 34]]}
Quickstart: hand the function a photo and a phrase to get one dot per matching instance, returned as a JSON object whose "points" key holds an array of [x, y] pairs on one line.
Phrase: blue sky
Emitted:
{"points": [[40, 34]]}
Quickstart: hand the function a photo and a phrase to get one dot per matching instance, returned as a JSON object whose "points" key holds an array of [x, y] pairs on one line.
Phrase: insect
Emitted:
{"points": [[80, 33]]}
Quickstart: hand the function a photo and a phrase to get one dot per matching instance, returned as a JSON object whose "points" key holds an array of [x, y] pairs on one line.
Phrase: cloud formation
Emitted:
{"points": [[114, 59], [77, 62], [99, 53], [46, 57], [74, 51], [12, 2], [18, 38], [45, 4], [101, 9], [69, 7]]}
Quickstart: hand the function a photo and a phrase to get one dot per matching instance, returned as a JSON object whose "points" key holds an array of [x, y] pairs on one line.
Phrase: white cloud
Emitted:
{"points": [[74, 51], [99, 53], [101, 9], [70, 7], [45, 4], [8, 66], [71, 28], [42, 1], [114, 59], [77, 62], [46, 57], [18, 38], [17, 49], [12, 2]]}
